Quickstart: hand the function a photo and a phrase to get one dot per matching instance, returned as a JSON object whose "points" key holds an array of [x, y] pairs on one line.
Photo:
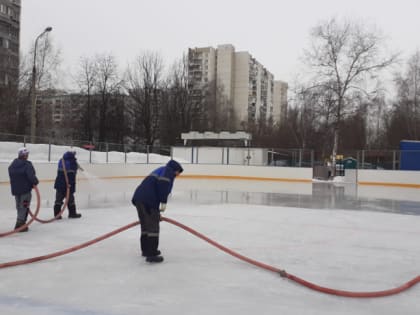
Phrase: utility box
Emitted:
{"points": [[410, 155], [322, 172], [350, 163]]}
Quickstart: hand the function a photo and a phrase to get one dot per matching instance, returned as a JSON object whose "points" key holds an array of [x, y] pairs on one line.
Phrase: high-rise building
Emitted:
{"points": [[280, 100], [201, 71], [245, 85], [9, 41]]}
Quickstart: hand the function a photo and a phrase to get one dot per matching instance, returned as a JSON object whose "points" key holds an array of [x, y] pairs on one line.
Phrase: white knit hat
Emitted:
{"points": [[23, 152]]}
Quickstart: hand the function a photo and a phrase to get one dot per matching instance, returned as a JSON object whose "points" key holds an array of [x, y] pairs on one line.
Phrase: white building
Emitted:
{"points": [[247, 86]]}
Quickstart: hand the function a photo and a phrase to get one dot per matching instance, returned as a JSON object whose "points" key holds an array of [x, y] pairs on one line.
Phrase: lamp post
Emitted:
{"points": [[33, 87]]}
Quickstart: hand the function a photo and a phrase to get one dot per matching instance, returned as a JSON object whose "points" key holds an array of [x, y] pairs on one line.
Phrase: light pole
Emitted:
{"points": [[33, 87]]}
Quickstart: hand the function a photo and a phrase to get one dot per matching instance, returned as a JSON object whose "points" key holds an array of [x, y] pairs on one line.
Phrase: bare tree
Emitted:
{"points": [[343, 56], [177, 111], [23, 95], [9, 96], [47, 64], [107, 83], [143, 83], [376, 111], [402, 120], [48, 61], [217, 107], [9, 101], [408, 94], [86, 79], [311, 119]]}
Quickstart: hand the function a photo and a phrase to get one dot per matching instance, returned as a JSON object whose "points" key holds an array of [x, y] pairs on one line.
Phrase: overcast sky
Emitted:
{"points": [[275, 32]]}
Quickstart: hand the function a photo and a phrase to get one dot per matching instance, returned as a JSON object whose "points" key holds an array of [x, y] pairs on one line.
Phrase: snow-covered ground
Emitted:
{"points": [[52, 153], [323, 236]]}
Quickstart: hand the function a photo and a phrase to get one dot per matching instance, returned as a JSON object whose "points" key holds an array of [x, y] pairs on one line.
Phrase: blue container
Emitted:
{"points": [[410, 155]]}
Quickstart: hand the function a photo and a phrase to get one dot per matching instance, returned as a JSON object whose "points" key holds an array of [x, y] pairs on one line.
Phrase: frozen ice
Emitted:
{"points": [[339, 236]]}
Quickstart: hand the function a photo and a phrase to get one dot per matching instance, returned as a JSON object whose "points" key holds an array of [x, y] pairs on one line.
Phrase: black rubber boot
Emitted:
{"points": [[144, 246], [154, 254], [57, 210], [154, 259], [72, 212], [18, 224]]}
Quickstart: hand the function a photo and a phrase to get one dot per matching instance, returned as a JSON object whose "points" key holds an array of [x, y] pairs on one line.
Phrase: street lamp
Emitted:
{"points": [[33, 88]]}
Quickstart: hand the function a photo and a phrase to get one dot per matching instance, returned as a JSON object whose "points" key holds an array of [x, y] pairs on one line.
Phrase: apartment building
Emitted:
{"points": [[9, 41], [58, 112], [280, 100], [247, 88], [65, 115], [201, 71]]}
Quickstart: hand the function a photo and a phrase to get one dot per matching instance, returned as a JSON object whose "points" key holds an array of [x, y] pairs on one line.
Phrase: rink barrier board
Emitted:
{"points": [[215, 177], [47, 172], [402, 185]]}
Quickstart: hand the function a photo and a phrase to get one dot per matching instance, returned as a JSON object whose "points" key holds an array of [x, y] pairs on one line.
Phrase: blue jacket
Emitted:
{"points": [[70, 163], [156, 187], [22, 177]]}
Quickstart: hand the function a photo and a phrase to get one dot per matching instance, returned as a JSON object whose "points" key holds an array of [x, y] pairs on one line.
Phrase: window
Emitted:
{"points": [[4, 42], [2, 8]]}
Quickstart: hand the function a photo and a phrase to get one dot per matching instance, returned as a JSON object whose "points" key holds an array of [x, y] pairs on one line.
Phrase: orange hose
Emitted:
{"points": [[34, 216], [303, 282], [68, 250], [38, 205], [282, 273], [65, 202]]}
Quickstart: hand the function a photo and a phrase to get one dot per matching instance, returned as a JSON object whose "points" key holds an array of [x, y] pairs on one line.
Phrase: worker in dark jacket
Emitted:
{"points": [[150, 199], [66, 166], [22, 180]]}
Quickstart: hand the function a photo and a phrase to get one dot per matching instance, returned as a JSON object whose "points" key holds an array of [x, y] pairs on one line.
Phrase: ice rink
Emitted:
{"points": [[341, 236]]}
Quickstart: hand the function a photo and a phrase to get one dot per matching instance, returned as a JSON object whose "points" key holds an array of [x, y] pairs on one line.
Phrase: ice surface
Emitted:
{"points": [[338, 248], [339, 236]]}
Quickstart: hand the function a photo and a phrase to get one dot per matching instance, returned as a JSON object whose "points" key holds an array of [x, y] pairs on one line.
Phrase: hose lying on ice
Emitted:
{"points": [[66, 200], [38, 205], [281, 272]]}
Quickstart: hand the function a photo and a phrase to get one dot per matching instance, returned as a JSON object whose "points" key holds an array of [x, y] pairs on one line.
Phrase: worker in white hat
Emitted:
{"points": [[22, 180]]}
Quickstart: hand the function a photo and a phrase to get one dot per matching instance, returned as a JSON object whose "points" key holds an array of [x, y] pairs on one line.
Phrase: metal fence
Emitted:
{"points": [[51, 149]]}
